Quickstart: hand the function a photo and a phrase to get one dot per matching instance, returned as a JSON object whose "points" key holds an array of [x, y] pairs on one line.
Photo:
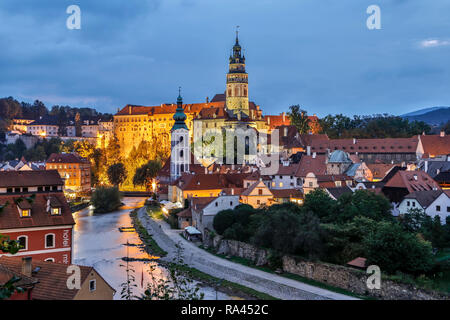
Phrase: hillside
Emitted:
{"points": [[435, 117]]}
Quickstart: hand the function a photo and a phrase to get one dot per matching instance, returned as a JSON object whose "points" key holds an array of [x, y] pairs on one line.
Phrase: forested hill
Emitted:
{"points": [[434, 117]]}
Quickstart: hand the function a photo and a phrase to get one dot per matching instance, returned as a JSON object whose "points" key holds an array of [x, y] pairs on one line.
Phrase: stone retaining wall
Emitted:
{"points": [[343, 277]]}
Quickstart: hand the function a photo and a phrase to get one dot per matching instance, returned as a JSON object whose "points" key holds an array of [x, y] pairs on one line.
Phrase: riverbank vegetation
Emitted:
{"points": [[106, 199], [356, 225], [150, 244]]}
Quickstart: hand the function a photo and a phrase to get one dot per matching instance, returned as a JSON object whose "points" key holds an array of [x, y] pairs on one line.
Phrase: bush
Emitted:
{"points": [[223, 220], [106, 199]]}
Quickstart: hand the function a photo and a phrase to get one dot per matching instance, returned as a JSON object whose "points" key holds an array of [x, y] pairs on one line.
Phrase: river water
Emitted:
{"points": [[99, 243]]}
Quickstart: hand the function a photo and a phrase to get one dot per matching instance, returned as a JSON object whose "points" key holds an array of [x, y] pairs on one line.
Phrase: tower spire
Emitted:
{"points": [[179, 115], [237, 34]]}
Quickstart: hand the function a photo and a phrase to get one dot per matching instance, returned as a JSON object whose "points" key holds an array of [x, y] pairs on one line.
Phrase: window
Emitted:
{"points": [[258, 202], [50, 240], [448, 209], [260, 192], [25, 213], [408, 203], [50, 260], [55, 211], [23, 242], [413, 204], [438, 208], [281, 184], [231, 203], [92, 285]]}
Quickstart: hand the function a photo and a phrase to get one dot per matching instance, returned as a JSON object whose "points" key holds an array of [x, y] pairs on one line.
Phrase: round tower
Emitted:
{"points": [[180, 149]]}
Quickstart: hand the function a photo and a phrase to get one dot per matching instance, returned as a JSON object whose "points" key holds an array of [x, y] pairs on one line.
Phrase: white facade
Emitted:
{"points": [[203, 219], [408, 204], [43, 130], [285, 182], [180, 153], [439, 207]]}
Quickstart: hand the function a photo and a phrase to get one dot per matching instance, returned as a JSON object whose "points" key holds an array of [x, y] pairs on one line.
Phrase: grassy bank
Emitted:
{"points": [[149, 242], [230, 288]]}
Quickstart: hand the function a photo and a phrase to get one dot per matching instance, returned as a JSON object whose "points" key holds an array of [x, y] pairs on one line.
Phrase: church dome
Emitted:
{"points": [[339, 156]]}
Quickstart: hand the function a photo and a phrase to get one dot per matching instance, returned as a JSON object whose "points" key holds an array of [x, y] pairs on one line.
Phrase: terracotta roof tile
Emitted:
{"points": [[11, 179]]}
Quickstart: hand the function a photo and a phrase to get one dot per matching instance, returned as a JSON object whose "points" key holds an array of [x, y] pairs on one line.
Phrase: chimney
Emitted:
{"points": [[26, 266], [314, 155], [284, 116], [354, 140], [268, 121], [426, 166], [285, 131], [129, 110], [206, 170], [442, 134], [232, 191], [308, 150]]}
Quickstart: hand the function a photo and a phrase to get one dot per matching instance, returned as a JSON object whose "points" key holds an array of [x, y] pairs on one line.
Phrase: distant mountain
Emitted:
{"points": [[433, 116]]}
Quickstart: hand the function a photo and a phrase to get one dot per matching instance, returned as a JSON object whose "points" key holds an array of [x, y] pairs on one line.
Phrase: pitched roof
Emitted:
{"points": [[7, 274], [443, 177], [425, 198], [210, 181], [52, 278], [66, 158], [337, 192], [309, 164], [201, 202], [166, 108], [186, 213], [388, 145], [412, 180], [379, 170], [10, 217], [435, 145], [287, 193], [250, 189], [11, 179], [358, 262]]}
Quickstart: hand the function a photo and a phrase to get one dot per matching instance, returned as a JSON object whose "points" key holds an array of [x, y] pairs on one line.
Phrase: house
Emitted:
{"points": [[34, 211], [310, 164], [46, 126], [404, 182], [440, 207], [287, 195], [435, 145], [379, 170], [25, 283], [418, 200], [285, 178], [312, 182], [205, 209], [443, 178], [257, 195], [336, 192], [48, 280], [75, 170], [433, 167]]}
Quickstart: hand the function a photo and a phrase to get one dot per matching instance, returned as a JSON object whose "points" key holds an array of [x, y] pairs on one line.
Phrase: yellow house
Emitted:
{"points": [[257, 195]]}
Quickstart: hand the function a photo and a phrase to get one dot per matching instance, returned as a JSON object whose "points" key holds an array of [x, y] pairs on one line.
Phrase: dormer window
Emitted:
{"points": [[55, 211], [25, 213]]}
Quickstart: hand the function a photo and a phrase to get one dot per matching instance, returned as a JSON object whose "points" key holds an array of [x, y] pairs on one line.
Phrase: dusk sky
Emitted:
{"points": [[319, 54]]}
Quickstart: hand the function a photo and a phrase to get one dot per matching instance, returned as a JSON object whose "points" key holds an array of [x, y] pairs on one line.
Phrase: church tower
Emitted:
{"points": [[180, 149], [237, 81]]}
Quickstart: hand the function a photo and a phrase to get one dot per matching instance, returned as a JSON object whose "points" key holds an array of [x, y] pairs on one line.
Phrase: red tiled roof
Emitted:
{"points": [[413, 181], [186, 213], [10, 217], [380, 170], [52, 278], [166, 108], [201, 202], [358, 262], [435, 145], [11, 179], [278, 120], [66, 158], [287, 193], [210, 181], [309, 164], [388, 145]]}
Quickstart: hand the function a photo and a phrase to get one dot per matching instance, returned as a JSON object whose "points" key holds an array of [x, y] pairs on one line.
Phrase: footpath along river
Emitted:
{"points": [[99, 243]]}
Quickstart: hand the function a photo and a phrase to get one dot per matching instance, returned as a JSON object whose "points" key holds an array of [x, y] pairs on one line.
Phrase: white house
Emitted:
{"points": [[440, 206], [204, 211], [432, 202]]}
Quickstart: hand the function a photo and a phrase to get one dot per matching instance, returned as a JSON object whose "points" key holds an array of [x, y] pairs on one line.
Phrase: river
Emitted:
{"points": [[99, 243]]}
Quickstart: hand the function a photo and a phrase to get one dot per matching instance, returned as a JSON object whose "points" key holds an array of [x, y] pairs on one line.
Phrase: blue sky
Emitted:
{"points": [[318, 54]]}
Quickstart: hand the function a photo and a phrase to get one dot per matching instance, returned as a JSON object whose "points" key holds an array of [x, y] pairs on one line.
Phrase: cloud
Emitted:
{"points": [[431, 43]]}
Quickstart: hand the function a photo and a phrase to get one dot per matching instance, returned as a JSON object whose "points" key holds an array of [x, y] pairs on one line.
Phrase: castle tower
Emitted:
{"points": [[180, 149], [237, 81]]}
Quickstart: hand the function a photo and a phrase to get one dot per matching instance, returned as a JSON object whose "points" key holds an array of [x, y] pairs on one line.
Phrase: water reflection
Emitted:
{"points": [[99, 243]]}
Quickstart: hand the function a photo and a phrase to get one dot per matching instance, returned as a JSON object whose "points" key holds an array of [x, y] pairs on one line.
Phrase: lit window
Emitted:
{"points": [[26, 213], [55, 211]]}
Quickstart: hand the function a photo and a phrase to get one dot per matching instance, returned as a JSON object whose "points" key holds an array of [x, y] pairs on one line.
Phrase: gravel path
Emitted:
{"points": [[274, 285]]}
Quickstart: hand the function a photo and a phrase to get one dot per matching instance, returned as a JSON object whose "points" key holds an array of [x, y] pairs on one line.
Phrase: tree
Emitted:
{"points": [[106, 199], [321, 204], [117, 174], [223, 220], [144, 175], [437, 233], [393, 249], [299, 118]]}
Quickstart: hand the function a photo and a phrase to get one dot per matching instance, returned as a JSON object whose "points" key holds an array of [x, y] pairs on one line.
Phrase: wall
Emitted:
{"points": [[444, 202], [350, 279], [102, 291]]}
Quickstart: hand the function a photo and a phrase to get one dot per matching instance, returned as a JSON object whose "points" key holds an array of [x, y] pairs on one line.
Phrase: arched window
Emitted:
{"points": [[50, 260], [23, 242], [181, 139], [50, 240], [181, 154]]}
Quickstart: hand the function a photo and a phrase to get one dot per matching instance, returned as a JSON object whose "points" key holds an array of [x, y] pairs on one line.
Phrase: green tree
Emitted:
{"points": [[117, 174], [321, 204], [144, 175], [299, 118], [393, 249]]}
